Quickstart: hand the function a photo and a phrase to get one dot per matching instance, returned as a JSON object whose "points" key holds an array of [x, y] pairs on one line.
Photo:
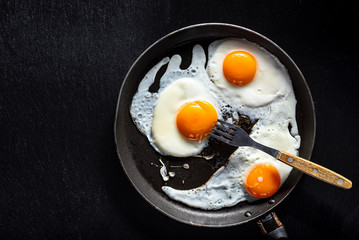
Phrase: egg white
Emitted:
{"points": [[274, 114], [155, 113], [268, 83], [164, 128], [269, 100]]}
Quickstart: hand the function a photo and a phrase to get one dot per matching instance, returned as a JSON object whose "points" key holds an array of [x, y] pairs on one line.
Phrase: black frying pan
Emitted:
{"points": [[136, 154]]}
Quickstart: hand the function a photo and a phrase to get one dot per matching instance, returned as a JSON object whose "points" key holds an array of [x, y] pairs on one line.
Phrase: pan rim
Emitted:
{"points": [[311, 147]]}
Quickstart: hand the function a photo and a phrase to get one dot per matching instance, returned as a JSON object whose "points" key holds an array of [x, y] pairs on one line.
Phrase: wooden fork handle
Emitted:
{"points": [[314, 170]]}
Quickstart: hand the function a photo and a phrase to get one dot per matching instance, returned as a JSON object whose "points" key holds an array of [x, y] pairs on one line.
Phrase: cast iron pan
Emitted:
{"points": [[139, 159]]}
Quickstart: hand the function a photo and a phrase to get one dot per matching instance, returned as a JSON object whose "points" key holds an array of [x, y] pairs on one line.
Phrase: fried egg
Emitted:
{"points": [[178, 117], [263, 91], [246, 74], [183, 117]]}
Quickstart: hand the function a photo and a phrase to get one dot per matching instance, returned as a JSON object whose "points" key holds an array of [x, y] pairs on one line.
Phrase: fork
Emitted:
{"points": [[236, 136]]}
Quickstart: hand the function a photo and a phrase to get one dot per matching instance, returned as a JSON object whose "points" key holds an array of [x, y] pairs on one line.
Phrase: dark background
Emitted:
{"points": [[61, 69]]}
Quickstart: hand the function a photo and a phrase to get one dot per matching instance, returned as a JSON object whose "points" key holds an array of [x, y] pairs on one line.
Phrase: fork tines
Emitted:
{"points": [[219, 138], [228, 125], [223, 132]]}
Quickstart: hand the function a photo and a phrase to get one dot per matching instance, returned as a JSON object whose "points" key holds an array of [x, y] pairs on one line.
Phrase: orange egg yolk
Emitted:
{"points": [[239, 67], [195, 120], [262, 181]]}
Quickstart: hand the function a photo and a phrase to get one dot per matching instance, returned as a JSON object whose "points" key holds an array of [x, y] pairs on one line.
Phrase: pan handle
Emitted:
{"points": [[272, 227]]}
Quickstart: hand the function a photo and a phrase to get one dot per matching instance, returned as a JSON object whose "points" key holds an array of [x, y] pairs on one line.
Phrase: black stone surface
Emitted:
{"points": [[61, 68]]}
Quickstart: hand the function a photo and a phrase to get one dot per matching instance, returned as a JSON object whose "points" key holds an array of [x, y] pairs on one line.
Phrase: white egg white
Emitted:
{"points": [[274, 108], [155, 113], [164, 128], [269, 83], [269, 100]]}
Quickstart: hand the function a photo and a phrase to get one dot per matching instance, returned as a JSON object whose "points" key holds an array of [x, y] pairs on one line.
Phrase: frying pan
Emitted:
{"points": [[140, 161]]}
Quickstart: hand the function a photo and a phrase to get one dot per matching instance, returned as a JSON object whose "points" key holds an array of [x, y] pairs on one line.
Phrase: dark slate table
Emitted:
{"points": [[61, 68]]}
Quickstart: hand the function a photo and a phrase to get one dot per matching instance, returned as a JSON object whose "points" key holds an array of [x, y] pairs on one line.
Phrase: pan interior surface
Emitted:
{"points": [[136, 154]]}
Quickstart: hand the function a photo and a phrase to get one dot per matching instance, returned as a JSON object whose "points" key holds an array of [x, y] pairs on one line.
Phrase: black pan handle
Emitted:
{"points": [[272, 227]]}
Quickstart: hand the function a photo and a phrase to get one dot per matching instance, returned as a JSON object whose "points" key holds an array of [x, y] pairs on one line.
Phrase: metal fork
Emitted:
{"points": [[236, 136]]}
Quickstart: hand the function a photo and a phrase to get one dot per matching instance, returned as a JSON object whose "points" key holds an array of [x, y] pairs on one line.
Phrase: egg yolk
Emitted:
{"points": [[239, 67], [195, 120], [262, 181]]}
